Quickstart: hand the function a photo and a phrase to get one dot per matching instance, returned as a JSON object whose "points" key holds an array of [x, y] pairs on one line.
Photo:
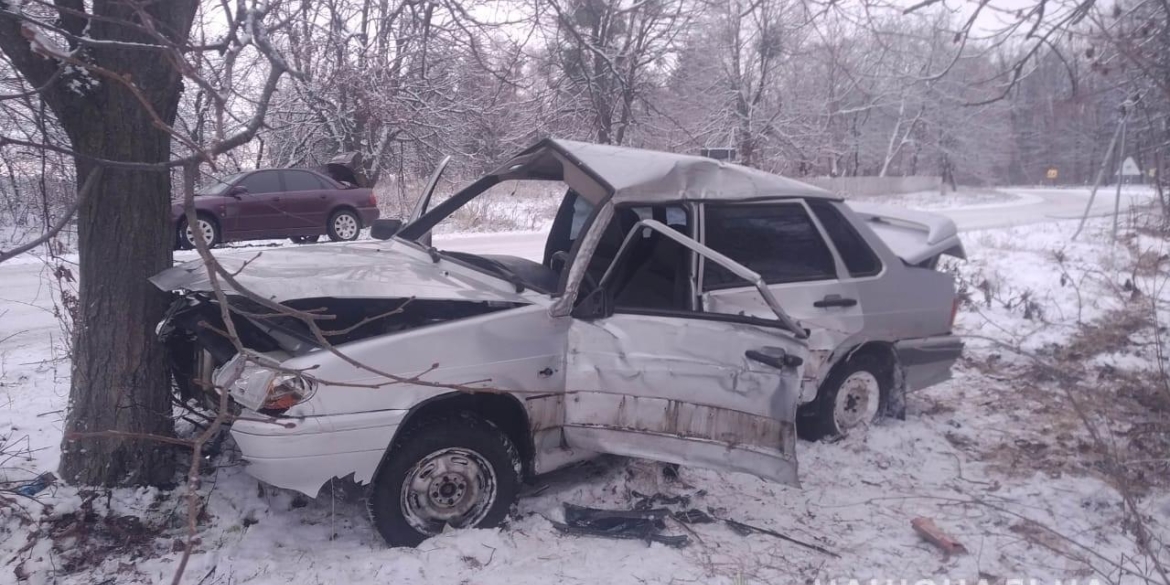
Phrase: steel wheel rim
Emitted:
{"points": [[205, 228], [345, 226], [857, 400], [450, 487]]}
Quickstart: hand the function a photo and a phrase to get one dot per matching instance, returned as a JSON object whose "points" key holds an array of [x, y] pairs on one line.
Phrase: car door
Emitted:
{"points": [[305, 200], [716, 391], [260, 212], [786, 244]]}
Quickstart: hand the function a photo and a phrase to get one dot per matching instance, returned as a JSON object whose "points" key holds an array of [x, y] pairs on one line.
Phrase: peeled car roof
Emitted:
{"points": [[638, 175]]}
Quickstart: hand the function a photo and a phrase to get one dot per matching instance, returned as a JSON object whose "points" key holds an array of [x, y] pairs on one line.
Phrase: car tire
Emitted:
{"points": [[304, 239], [344, 226], [207, 225], [851, 397], [433, 467]]}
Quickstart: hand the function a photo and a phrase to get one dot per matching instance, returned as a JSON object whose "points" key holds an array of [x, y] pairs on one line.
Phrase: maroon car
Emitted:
{"points": [[300, 204]]}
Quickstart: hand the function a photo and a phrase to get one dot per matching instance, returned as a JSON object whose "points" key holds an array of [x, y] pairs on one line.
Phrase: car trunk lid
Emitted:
{"points": [[917, 237]]}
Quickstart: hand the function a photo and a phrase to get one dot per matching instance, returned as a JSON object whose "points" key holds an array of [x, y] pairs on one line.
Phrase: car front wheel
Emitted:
{"points": [[851, 397], [458, 471], [344, 226], [204, 227]]}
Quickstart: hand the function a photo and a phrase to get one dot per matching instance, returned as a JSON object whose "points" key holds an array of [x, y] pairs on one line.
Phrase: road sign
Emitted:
{"points": [[1052, 173], [724, 153], [1130, 168]]}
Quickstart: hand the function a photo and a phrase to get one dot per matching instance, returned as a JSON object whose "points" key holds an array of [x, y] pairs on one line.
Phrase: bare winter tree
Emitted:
{"points": [[111, 74], [604, 54]]}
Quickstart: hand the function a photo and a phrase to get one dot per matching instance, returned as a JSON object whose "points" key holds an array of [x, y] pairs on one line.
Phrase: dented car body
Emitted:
{"points": [[651, 329]]}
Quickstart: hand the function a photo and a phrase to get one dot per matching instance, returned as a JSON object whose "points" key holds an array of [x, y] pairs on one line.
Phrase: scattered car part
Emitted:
{"points": [[37, 485], [621, 524], [745, 529], [927, 529]]}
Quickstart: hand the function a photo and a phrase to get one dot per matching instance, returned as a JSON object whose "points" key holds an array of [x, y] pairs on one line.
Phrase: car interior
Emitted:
{"points": [[653, 274]]}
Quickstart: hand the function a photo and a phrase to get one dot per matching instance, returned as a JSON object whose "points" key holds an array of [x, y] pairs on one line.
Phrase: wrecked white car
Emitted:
{"points": [[684, 309]]}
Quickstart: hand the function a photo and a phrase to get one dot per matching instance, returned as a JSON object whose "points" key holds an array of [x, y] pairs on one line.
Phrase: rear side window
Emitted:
{"points": [[302, 181], [778, 241], [262, 182], [858, 256]]}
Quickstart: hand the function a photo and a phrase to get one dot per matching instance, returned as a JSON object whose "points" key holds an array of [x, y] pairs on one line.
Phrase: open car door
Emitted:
{"points": [[706, 389], [424, 201]]}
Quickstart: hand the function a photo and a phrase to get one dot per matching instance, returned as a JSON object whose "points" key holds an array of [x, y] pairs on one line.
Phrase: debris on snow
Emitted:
{"points": [[37, 485], [926, 528], [644, 525]]}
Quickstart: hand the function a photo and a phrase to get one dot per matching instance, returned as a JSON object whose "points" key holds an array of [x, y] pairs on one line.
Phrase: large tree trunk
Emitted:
{"points": [[120, 379], [121, 387]]}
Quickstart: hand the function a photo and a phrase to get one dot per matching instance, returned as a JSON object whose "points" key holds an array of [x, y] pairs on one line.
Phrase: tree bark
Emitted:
{"points": [[120, 378]]}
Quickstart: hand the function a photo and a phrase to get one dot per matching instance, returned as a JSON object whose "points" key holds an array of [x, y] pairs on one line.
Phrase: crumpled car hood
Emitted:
{"points": [[389, 269]]}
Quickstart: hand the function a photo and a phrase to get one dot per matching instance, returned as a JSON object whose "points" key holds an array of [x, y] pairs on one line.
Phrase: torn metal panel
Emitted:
{"points": [[682, 390], [685, 419], [634, 174], [512, 350], [389, 269]]}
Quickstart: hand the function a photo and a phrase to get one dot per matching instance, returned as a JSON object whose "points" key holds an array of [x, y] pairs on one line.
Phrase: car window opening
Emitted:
{"points": [[779, 241]]}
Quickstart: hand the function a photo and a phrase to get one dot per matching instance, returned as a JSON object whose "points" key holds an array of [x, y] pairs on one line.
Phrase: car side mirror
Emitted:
{"points": [[596, 305], [384, 229], [237, 191]]}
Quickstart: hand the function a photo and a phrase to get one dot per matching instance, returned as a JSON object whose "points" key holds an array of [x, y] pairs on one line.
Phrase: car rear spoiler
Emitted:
{"points": [[916, 237]]}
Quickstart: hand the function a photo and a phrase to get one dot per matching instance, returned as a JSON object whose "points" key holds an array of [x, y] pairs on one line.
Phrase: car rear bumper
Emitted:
{"points": [[928, 360], [368, 215], [303, 453]]}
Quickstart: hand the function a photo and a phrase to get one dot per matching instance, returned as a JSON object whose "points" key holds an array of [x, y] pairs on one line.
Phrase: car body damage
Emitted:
{"points": [[361, 270], [670, 319]]}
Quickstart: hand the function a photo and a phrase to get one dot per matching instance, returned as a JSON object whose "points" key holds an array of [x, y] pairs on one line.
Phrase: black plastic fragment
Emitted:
{"points": [[621, 524], [693, 516]]}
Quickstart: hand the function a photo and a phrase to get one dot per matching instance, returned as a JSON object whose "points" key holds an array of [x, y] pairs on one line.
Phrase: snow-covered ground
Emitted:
{"points": [[997, 457]]}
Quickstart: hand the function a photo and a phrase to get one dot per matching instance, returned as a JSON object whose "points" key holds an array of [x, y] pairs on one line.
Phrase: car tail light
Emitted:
{"points": [[373, 199], [954, 311]]}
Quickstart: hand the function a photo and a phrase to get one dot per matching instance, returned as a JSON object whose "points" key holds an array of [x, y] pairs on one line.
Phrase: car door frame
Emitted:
{"points": [[274, 223], [308, 209], [728, 412], [830, 328]]}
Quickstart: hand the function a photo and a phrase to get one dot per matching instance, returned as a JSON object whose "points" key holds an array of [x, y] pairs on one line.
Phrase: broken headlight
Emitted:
{"points": [[256, 383]]}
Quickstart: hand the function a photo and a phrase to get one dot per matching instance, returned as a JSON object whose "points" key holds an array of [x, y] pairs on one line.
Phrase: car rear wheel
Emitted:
{"points": [[850, 398], [205, 227], [344, 226], [304, 239], [458, 471]]}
